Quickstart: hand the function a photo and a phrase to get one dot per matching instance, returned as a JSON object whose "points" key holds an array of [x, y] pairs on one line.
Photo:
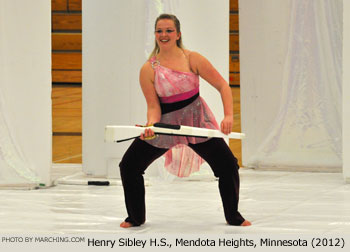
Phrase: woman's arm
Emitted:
{"points": [[153, 107], [204, 68]]}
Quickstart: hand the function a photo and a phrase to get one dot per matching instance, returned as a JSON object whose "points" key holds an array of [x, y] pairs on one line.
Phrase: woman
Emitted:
{"points": [[170, 84]]}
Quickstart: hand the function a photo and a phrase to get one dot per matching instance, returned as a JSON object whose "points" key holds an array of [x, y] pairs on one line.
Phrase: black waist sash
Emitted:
{"points": [[170, 107]]}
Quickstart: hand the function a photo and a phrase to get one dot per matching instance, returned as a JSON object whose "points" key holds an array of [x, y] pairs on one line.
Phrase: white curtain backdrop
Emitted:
{"points": [[25, 93], [306, 133]]}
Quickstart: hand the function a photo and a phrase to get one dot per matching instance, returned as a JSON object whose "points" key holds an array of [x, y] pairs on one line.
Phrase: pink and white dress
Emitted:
{"points": [[181, 104]]}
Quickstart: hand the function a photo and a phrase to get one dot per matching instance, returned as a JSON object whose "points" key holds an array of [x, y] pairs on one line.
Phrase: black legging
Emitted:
{"points": [[215, 151]]}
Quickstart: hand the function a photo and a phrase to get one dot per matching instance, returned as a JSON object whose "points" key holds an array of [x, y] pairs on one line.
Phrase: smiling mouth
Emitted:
{"points": [[164, 40]]}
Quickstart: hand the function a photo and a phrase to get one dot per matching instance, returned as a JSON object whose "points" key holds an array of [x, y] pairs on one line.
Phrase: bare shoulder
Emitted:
{"points": [[191, 53], [146, 71], [146, 67], [196, 60]]}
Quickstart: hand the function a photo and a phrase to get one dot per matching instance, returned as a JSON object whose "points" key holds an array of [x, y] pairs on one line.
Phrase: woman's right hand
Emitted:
{"points": [[148, 134]]}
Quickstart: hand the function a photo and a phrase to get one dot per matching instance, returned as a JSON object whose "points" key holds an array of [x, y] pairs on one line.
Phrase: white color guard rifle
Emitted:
{"points": [[114, 133]]}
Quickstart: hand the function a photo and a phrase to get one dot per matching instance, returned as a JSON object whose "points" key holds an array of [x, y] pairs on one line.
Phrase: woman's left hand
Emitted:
{"points": [[226, 125]]}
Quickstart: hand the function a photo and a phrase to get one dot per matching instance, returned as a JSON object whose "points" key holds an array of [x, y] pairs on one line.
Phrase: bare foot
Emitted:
{"points": [[246, 223], [125, 224]]}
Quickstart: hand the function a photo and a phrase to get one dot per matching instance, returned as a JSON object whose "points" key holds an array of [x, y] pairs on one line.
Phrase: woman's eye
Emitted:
{"points": [[167, 31]]}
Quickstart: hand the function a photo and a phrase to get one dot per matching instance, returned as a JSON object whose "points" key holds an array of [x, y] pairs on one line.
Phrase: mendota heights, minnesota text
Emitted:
{"points": [[220, 242]]}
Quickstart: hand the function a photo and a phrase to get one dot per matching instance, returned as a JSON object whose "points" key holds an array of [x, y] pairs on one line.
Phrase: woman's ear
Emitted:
{"points": [[178, 36]]}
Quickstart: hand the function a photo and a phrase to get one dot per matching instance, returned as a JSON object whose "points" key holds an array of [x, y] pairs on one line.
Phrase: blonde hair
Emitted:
{"points": [[178, 30]]}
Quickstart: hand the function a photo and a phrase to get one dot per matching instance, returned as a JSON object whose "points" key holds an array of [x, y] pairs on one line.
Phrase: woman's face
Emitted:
{"points": [[166, 34]]}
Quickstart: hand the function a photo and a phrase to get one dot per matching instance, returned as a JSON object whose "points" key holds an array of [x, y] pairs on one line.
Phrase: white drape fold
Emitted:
{"points": [[307, 131], [25, 93]]}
